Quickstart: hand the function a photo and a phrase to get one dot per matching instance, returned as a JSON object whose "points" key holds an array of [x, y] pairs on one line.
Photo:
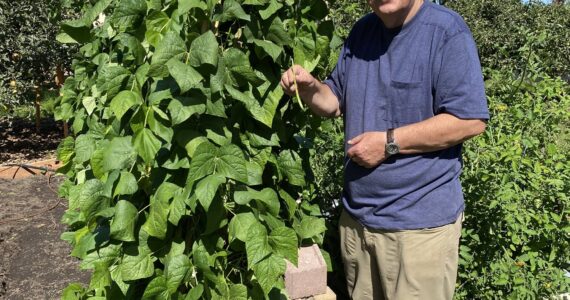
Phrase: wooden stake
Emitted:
{"points": [[37, 106], [59, 79]]}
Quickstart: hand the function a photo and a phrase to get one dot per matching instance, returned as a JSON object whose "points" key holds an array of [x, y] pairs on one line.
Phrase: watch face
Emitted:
{"points": [[392, 148]]}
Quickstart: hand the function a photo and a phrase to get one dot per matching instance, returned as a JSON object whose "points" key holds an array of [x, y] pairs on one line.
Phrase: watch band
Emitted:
{"points": [[390, 136], [392, 147]]}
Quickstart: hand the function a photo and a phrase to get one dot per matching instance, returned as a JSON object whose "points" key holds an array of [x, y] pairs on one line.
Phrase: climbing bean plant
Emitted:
{"points": [[187, 170]]}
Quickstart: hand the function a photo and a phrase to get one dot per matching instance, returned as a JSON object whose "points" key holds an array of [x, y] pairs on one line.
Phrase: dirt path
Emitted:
{"points": [[34, 261]]}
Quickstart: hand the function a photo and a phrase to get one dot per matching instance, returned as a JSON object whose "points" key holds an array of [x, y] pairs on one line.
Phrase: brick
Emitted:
{"points": [[309, 278], [329, 295]]}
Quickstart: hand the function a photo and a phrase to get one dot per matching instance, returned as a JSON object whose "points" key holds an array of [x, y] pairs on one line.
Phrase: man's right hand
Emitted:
{"points": [[306, 84], [318, 96]]}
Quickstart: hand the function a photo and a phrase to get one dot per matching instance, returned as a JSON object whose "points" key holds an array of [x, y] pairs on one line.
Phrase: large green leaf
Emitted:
{"points": [[269, 271], [257, 244], [195, 292], [204, 50], [124, 221], [137, 266], [128, 13], [227, 161], [91, 199], [283, 241], [66, 150], [75, 31], [106, 254], [232, 10], [273, 7], [117, 155], [157, 221], [134, 49], [207, 188], [127, 184], [310, 227], [123, 101], [112, 79], [101, 277], [156, 289], [240, 225], [178, 207], [182, 108], [185, 6], [147, 144], [238, 292], [156, 25], [171, 47], [267, 196], [264, 113], [176, 269], [94, 12], [268, 47], [185, 75], [291, 165], [84, 148]]}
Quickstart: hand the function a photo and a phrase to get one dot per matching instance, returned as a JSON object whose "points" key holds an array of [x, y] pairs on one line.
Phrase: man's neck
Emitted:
{"points": [[403, 16]]}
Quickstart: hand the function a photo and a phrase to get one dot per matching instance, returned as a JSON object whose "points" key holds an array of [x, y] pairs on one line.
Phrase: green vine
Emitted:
{"points": [[187, 164]]}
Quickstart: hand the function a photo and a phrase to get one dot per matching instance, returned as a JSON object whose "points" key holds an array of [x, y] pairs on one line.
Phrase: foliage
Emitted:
{"points": [[188, 168], [517, 186], [490, 20], [29, 52], [516, 176], [345, 13]]}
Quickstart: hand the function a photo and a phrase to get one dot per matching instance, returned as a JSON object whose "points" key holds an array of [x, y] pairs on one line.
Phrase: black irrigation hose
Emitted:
{"points": [[28, 168], [25, 166]]}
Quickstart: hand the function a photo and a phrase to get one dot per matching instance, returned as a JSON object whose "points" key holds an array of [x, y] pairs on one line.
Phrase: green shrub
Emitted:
{"points": [[517, 187], [501, 28]]}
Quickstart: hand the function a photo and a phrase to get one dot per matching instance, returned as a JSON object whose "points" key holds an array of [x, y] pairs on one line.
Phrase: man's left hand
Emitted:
{"points": [[368, 149]]}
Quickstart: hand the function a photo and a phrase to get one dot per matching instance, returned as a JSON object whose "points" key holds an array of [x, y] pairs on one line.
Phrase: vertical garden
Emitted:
{"points": [[187, 166]]}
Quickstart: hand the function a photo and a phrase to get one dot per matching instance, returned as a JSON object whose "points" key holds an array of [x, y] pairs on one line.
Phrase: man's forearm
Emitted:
{"points": [[321, 100], [439, 132]]}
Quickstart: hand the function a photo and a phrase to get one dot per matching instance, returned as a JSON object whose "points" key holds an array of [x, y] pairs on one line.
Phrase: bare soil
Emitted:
{"points": [[19, 141], [34, 261]]}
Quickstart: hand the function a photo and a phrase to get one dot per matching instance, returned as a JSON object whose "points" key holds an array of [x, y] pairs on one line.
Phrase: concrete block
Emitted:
{"points": [[309, 278], [329, 295]]}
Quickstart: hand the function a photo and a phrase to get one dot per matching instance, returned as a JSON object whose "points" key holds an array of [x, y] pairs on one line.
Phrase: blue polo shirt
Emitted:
{"points": [[388, 78]]}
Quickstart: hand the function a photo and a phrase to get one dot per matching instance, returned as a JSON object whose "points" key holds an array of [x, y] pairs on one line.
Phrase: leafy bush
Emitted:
{"points": [[517, 186], [29, 52], [188, 171], [491, 20]]}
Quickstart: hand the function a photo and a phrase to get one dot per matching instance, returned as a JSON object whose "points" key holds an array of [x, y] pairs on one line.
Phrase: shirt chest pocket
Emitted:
{"points": [[409, 100]]}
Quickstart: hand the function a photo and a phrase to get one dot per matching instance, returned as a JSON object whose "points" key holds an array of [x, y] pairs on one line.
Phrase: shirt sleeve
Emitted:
{"points": [[335, 81], [459, 86]]}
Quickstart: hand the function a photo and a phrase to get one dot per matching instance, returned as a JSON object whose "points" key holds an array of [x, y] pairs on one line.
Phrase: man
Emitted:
{"points": [[408, 83]]}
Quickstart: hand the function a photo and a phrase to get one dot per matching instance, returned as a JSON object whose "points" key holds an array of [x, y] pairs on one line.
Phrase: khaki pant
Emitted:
{"points": [[400, 265]]}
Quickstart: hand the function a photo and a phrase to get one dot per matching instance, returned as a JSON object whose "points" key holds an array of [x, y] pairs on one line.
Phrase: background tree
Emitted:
{"points": [[30, 55]]}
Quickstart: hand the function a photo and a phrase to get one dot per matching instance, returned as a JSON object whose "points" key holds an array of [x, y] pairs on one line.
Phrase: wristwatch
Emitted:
{"points": [[391, 146]]}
